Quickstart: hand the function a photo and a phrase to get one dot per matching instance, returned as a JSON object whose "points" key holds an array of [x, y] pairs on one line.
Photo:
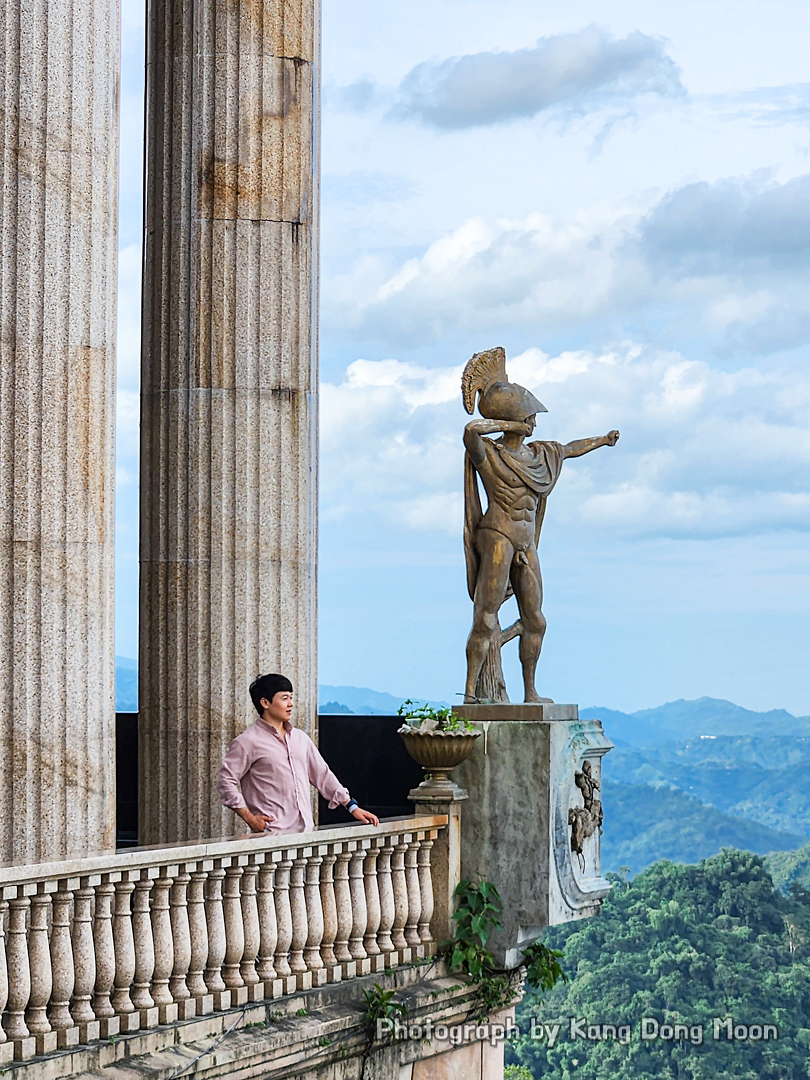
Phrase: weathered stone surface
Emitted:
{"points": [[547, 710], [229, 384], [319, 1034], [445, 857], [58, 229], [516, 830]]}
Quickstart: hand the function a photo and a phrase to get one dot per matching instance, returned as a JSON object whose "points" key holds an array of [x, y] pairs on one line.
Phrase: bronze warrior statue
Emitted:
{"points": [[501, 544]]}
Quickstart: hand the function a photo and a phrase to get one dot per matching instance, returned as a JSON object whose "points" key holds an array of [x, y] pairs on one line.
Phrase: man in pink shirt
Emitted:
{"points": [[267, 771]]}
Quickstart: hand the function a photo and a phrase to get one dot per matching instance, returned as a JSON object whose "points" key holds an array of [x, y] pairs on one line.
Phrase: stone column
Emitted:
{"points": [[58, 236], [229, 389]]}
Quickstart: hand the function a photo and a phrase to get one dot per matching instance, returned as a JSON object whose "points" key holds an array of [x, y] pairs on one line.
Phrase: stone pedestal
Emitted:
{"points": [[229, 390], [517, 823], [58, 221]]}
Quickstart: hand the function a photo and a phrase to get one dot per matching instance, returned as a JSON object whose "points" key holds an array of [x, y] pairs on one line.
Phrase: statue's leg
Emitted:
{"points": [[496, 554], [528, 586]]}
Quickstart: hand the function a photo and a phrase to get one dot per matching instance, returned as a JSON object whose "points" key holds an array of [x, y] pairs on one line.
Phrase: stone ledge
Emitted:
{"points": [[544, 710], [318, 1027]]}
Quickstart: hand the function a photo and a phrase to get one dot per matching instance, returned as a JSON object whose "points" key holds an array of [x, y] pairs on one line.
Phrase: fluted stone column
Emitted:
{"points": [[58, 233], [229, 407]]}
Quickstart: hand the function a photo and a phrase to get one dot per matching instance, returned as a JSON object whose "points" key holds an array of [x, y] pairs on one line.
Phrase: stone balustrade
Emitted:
{"points": [[94, 947]]}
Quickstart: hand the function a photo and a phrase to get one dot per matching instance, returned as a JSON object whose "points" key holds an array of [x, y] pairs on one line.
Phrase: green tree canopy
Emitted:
{"points": [[681, 944]]}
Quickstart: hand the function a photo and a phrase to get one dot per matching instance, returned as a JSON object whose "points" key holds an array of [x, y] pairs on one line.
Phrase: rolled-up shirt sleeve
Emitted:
{"points": [[322, 777], [236, 764]]}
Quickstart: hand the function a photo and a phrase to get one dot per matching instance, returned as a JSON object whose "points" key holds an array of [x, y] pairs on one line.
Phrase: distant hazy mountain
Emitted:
{"points": [[362, 701], [358, 700], [681, 720], [126, 684], [760, 779], [645, 824], [691, 777]]}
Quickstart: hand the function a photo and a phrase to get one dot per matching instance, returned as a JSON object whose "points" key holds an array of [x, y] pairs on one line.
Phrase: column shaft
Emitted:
{"points": [[229, 389], [58, 235]]}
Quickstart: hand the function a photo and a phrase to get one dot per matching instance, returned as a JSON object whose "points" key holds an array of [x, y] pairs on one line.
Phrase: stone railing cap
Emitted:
{"points": [[167, 854]]}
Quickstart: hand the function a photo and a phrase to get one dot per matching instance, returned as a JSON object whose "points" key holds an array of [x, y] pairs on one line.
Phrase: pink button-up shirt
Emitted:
{"points": [[274, 777]]}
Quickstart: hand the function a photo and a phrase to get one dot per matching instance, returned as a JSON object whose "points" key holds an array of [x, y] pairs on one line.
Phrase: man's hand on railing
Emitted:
{"points": [[257, 822], [364, 817]]}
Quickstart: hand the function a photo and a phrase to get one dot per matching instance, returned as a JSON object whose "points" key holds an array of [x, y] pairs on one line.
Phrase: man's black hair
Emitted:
{"points": [[267, 686]]}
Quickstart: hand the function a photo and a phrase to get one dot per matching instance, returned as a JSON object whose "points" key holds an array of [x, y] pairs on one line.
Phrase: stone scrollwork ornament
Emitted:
{"points": [[586, 819]]}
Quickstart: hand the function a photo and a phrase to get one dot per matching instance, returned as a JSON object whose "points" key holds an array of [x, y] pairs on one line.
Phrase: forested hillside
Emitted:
{"points": [[681, 945], [787, 867], [743, 770], [761, 779]]}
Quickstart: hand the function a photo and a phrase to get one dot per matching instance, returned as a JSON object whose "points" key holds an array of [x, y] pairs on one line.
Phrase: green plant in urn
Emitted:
{"points": [[437, 740]]}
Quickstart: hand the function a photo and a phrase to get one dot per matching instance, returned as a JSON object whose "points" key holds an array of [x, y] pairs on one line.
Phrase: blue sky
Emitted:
{"points": [[618, 193]]}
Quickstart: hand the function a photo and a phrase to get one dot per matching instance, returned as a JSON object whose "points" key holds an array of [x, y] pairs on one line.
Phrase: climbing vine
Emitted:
{"points": [[477, 915]]}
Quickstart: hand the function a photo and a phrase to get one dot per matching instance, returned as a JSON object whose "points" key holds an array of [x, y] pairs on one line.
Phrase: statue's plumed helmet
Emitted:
{"points": [[499, 399]]}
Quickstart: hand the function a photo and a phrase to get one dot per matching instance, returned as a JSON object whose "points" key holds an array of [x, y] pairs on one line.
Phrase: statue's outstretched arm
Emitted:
{"points": [[584, 446]]}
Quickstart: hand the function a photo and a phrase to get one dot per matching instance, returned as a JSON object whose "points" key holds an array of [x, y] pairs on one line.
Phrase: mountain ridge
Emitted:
{"points": [[685, 719]]}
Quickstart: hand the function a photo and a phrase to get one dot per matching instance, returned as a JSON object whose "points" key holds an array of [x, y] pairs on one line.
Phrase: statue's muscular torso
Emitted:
{"points": [[512, 504]]}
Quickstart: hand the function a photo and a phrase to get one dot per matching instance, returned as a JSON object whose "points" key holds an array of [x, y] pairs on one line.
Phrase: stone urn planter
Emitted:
{"points": [[437, 741]]}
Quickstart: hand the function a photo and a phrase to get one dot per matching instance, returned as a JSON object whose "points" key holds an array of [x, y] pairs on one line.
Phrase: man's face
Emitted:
{"points": [[280, 708], [532, 423]]}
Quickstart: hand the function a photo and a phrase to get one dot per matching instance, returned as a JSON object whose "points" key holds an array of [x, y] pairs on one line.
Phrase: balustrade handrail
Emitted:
{"points": [[141, 858], [120, 942]]}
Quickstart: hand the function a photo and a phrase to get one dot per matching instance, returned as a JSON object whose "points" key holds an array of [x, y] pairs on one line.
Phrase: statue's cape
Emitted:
{"points": [[539, 475]]}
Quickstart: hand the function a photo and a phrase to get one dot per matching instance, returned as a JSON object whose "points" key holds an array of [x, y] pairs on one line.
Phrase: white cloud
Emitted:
{"points": [[579, 71], [736, 226], [487, 274], [729, 260], [703, 452]]}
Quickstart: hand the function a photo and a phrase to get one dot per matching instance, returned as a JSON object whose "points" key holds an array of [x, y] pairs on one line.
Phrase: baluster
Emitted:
{"points": [[39, 965], [386, 899], [84, 959], [250, 923], [298, 911], [312, 897], [268, 933], [3, 966], [234, 930], [61, 965], [105, 954], [343, 904], [215, 924], [328, 906], [181, 945], [357, 890], [414, 897], [61, 960], [198, 933], [372, 890], [425, 891], [19, 974], [400, 896], [124, 947], [144, 951], [164, 951], [283, 916]]}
